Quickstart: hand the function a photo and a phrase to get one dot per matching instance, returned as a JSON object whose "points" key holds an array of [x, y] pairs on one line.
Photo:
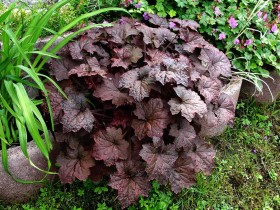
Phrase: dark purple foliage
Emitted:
{"points": [[139, 95]]}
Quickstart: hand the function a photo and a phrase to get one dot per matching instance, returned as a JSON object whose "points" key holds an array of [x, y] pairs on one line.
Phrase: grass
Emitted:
{"points": [[63, 16], [246, 175]]}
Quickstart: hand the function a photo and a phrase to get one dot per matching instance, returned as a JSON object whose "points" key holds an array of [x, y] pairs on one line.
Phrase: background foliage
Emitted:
{"points": [[257, 23]]}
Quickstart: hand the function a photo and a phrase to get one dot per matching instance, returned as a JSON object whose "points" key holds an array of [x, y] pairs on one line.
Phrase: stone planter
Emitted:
{"points": [[249, 90], [14, 192]]}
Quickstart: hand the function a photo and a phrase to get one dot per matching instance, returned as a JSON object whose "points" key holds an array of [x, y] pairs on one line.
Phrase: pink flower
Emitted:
{"points": [[222, 36], [232, 22], [146, 16], [236, 41], [172, 25], [248, 42], [260, 14], [217, 11], [138, 5], [274, 28]]}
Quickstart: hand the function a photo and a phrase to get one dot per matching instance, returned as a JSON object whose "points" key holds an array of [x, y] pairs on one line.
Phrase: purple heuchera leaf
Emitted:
{"points": [[210, 88], [108, 90], [215, 61], [162, 35], [120, 32], [77, 166], [225, 110], [172, 71], [147, 32], [125, 56], [152, 119], [76, 114], [186, 24], [160, 159], [130, 181], [192, 40], [218, 116], [92, 68], [188, 104], [182, 174], [184, 134], [110, 146], [158, 21], [138, 82], [203, 156], [55, 100]]}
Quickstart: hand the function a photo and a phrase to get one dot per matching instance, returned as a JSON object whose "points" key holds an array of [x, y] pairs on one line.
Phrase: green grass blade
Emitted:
{"points": [[2, 133], [5, 15], [22, 136], [50, 55], [37, 80], [25, 82], [30, 120], [54, 83], [6, 125]]}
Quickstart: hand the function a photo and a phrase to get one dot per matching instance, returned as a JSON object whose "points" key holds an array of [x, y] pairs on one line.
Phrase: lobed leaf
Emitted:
{"points": [[189, 104], [130, 181], [160, 159], [152, 119], [110, 146], [76, 114]]}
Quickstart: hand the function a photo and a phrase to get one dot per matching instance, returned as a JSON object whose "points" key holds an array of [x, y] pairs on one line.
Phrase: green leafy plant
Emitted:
{"points": [[20, 67]]}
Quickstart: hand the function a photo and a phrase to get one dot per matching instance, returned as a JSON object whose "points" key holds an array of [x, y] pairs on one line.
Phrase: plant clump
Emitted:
{"points": [[139, 95]]}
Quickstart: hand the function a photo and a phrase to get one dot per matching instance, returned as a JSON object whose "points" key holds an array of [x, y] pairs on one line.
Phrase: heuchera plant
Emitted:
{"points": [[139, 95]]}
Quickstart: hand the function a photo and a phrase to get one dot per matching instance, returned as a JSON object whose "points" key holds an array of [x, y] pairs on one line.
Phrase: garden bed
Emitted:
{"points": [[246, 175], [129, 112]]}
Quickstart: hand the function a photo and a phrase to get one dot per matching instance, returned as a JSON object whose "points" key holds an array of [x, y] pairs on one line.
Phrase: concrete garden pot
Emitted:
{"points": [[14, 192], [267, 97]]}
